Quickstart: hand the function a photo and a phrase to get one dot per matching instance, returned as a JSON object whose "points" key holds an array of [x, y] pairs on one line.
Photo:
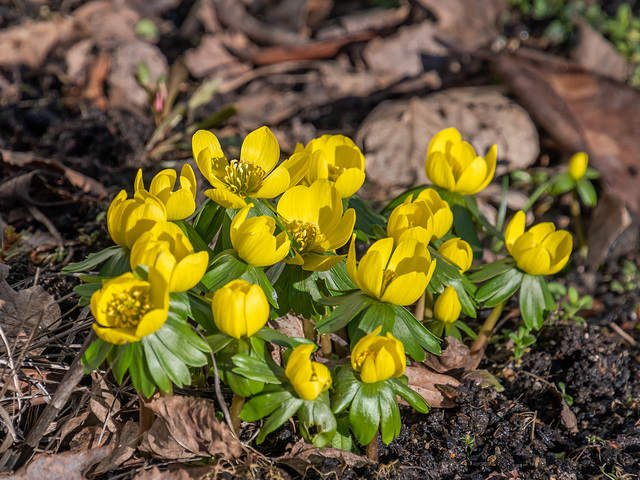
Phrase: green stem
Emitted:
{"points": [[236, 407], [325, 340], [372, 448], [420, 307], [309, 330], [539, 191], [487, 327]]}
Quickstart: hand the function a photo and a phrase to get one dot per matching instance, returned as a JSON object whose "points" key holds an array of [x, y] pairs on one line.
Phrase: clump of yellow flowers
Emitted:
{"points": [[188, 283]]}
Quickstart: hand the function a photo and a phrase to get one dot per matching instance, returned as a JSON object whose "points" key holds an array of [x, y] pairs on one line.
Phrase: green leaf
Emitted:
{"points": [[225, 267], [561, 184], [445, 273], [345, 385], [256, 369], [140, 375], [377, 314], [117, 264], [500, 288], [85, 290], [491, 270], [208, 220], [95, 355], [413, 398], [198, 244], [218, 341], [468, 303], [532, 302], [318, 425], [273, 336], [179, 305], [92, 260], [337, 279], [466, 329], [364, 414], [264, 404], [390, 422], [549, 301], [366, 217], [464, 227], [281, 415], [175, 368], [343, 439], [586, 192], [257, 276], [185, 344], [346, 311], [417, 332], [158, 373], [120, 359], [298, 290], [472, 205], [201, 312]]}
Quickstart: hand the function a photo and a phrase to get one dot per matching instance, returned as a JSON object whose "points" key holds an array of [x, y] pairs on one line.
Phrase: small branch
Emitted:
{"points": [[487, 327]]}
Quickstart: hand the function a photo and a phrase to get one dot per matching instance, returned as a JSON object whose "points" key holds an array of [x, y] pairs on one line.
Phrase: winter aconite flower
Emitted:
{"points": [[411, 220], [127, 308], [398, 276], [313, 216], [240, 309], [166, 248], [253, 175], [578, 165], [309, 379], [452, 164], [440, 211], [338, 159], [378, 358], [128, 218], [541, 250], [447, 307], [179, 204], [254, 241], [459, 252]]}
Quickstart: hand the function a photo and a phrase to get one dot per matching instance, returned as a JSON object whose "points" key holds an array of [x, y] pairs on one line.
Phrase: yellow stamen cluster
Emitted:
{"points": [[304, 233], [387, 277], [243, 176], [334, 172], [126, 309]]}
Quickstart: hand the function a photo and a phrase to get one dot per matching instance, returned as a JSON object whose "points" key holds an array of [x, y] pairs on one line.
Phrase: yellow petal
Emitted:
{"points": [[209, 156], [350, 182], [236, 223], [261, 148], [188, 179], [180, 205], [443, 140], [188, 272], [405, 289], [275, 183], [534, 261], [225, 198], [318, 167], [151, 322], [115, 220], [514, 230], [297, 165], [439, 171], [116, 336], [138, 184], [559, 244], [491, 159], [447, 307], [341, 233], [578, 165], [472, 177], [320, 263], [351, 262]]}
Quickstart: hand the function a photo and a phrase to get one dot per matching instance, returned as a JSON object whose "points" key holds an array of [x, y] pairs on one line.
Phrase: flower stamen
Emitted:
{"points": [[305, 234], [243, 177], [387, 277], [334, 172], [127, 308]]}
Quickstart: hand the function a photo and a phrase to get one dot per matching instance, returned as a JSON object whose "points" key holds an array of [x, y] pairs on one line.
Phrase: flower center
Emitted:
{"points": [[388, 276], [243, 177], [456, 166], [335, 171], [304, 234], [127, 308]]}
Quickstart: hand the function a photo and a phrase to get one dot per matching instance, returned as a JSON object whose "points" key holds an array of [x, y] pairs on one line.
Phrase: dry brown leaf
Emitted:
{"points": [[467, 24], [582, 112], [63, 466], [179, 472], [186, 428], [608, 228], [211, 57], [110, 23], [304, 456], [377, 19], [73, 424], [455, 356], [396, 134], [21, 311], [290, 325], [125, 446], [424, 381], [30, 43], [597, 54], [103, 403]]}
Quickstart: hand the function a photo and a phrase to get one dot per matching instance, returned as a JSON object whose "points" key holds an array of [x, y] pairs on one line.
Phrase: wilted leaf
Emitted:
{"points": [[455, 356], [125, 445], [186, 428], [211, 57], [63, 466], [304, 456], [608, 228], [103, 403], [396, 134], [180, 472], [110, 24], [424, 381]]}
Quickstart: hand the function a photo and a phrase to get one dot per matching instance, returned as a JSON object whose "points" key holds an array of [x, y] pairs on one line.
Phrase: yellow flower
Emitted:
{"points": [[378, 358], [240, 309], [452, 164], [541, 250], [253, 175], [313, 217], [128, 218], [309, 379], [168, 249], [254, 241], [397, 276], [440, 210], [459, 252], [578, 165], [447, 307], [126, 308], [411, 220], [179, 204], [338, 159]]}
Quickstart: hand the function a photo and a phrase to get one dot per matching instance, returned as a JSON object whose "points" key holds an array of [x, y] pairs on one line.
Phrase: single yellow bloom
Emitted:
{"points": [[253, 175], [411, 220], [168, 249], [541, 250], [578, 165], [127, 309], [338, 159], [313, 216], [447, 307], [240, 309], [179, 204], [440, 210], [378, 358], [309, 379], [459, 252], [452, 164], [128, 218], [397, 276], [254, 241]]}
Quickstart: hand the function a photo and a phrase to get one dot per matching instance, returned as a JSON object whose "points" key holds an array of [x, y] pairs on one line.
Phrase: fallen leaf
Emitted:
{"points": [[73, 424], [424, 381], [111, 24], [609, 221], [454, 356], [22, 311], [396, 134], [304, 456], [103, 403], [186, 428], [63, 466], [372, 19], [125, 445], [180, 472], [289, 324], [211, 57], [567, 417], [582, 111]]}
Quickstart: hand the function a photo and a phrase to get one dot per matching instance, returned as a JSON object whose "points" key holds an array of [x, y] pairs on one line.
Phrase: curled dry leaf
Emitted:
{"points": [[186, 428], [610, 230], [63, 466], [396, 134], [180, 472], [103, 403], [212, 57], [304, 456], [125, 445], [424, 381], [455, 356]]}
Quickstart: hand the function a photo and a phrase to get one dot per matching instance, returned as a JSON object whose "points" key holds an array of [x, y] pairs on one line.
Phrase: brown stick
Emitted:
{"points": [[372, 448]]}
